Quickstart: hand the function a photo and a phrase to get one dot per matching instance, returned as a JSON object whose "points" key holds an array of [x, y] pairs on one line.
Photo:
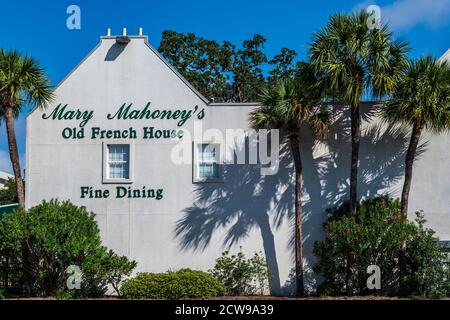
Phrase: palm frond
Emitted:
{"points": [[422, 96], [22, 81]]}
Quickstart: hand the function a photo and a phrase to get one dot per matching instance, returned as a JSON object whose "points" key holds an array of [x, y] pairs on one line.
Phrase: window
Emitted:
{"points": [[207, 164], [117, 160]]}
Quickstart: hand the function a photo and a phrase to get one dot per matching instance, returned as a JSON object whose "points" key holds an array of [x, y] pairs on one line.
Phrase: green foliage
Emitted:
{"points": [[107, 268], [182, 284], [242, 276], [204, 63], [351, 59], [57, 235], [223, 71], [375, 237], [288, 105], [423, 96], [284, 67], [2, 294], [70, 295], [22, 81], [8, 194], [426, 272]]}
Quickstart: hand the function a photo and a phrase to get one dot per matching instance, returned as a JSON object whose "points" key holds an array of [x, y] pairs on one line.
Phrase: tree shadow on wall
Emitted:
{"points": [[248, 200]]}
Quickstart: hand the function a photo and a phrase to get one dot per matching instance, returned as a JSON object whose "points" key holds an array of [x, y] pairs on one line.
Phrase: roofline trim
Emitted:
{"points": [[234, 104], [171, 67], [69, 74]]}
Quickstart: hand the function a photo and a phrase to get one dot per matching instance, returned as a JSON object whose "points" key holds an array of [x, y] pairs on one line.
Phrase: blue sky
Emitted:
{"points": [[39, 28]]}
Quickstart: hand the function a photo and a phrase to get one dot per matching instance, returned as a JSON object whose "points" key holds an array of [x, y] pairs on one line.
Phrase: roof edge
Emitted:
{"points": [[234, 104], [70, 73], [171, 67]]}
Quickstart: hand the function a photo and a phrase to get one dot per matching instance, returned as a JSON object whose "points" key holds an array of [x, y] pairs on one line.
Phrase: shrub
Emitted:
{"points": [[107, 268], [185, 283], [375, 237], [8, 194], [60, 234], [242, 276], [426, 274], [70, 294]]}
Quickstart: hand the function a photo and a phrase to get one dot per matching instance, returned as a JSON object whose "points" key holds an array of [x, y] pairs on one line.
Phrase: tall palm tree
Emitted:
{"points": [[22, 81], [286, 106], [352, 60], [421, 101]]}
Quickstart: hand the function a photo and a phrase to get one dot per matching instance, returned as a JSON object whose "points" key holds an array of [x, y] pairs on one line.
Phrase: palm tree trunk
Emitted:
{"points": [[295, 149], [14, 155], [409, 161], [356, 137]]}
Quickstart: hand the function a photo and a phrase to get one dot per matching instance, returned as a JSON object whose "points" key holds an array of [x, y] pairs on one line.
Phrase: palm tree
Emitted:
{"points": [[22, 81], [286, 106], [421, 101], [352, 60]]}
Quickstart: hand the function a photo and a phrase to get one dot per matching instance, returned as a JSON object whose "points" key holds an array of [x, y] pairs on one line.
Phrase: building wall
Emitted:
{"points": [[194, 222]]}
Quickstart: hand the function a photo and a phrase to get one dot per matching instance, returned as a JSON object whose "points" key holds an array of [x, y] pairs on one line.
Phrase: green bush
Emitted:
{"points": [[242, 276], [70, 294], [182, 284], [60, 234], [376, 236], [426, 274], [8, 194], [2, 294], [107, 268]]}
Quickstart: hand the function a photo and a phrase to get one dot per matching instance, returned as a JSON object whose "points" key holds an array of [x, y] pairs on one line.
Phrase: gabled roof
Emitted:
{"points": [[445, 56], [171, 68]]}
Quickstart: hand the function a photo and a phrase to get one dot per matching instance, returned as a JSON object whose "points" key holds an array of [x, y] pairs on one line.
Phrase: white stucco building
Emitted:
{"points": [[122, 116]]}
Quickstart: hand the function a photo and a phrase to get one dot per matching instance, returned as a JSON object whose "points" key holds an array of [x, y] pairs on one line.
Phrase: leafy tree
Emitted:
{"points": [[8, 194], [351, 60], [247, 73], [421, 101], [221, 72], [284, 66], [204, 63], [287, 106]]}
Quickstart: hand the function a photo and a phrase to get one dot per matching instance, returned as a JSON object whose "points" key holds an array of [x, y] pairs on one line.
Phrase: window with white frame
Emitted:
{"points": [[207, 162], [117, 163]]}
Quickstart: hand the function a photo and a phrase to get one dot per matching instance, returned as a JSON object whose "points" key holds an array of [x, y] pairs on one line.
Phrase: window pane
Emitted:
{"points": [[118, 161], [207, 152], [208, 171]]}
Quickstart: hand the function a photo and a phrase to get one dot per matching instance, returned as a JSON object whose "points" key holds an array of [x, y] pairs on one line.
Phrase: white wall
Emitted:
{"points": [[194, 223]]}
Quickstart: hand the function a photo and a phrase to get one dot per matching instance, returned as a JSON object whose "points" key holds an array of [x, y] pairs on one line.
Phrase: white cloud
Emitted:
{"points": [[406, 14]]}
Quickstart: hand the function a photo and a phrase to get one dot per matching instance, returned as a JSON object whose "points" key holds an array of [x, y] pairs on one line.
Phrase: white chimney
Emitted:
{"points": [[140, 31], [124, 31], [108, 32]]}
